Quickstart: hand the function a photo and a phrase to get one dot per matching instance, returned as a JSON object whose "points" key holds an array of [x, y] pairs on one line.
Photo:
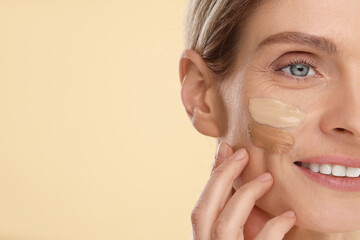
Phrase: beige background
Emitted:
{"points": [[95, 142]]}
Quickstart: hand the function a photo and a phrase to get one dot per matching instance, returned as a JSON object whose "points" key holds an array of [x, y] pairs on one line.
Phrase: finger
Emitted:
{"points": [[277, 227], [238, 208], [216, 192], [223, 151]]}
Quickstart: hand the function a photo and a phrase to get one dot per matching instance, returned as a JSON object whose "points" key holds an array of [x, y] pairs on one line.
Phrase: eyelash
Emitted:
{"points": [[299, 61]]}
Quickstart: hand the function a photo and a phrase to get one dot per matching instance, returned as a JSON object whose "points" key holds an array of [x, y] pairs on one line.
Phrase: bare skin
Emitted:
{"points": [[329, 94]]}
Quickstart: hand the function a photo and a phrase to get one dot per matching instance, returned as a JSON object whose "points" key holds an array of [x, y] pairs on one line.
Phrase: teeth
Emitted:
{"points": [[314, 167], [338, 170], [334, 170], [305, 164], [352, 172], [325, 168]]}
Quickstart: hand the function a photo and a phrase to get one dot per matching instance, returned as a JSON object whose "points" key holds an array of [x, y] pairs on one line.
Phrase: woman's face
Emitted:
{"points": [[325, 87]]}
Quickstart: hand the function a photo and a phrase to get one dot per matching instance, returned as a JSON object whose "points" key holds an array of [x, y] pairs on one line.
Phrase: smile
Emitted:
{"points": [[334, 170], [328, 172]]}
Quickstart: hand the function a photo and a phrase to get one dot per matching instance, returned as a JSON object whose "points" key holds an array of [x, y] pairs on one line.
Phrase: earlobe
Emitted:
{"points": [[197, 93], [204, 123]]}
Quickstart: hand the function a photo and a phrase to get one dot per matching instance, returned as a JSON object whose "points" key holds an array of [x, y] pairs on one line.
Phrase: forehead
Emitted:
{"points": [[335, 20]]}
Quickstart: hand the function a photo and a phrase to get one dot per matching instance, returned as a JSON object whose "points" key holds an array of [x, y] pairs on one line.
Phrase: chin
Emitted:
{"points": [[328, 221]]}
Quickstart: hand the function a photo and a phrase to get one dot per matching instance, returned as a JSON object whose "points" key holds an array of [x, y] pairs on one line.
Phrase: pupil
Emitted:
{"points": [[299, 70]]}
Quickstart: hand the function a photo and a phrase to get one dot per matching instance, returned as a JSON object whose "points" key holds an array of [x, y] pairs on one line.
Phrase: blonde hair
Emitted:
{"points": [[212, 28]]}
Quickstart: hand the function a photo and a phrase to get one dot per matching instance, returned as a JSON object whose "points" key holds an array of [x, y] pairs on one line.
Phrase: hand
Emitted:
{"points": [[221, 212]]}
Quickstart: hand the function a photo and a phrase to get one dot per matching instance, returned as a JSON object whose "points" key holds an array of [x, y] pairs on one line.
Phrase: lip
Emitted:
{"points": [[332, 182], [333, 159]]}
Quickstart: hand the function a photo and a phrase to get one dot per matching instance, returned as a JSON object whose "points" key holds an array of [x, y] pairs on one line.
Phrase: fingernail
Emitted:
{"points": [[221, 150], [264, 177], [239, 154], [289, 213]]}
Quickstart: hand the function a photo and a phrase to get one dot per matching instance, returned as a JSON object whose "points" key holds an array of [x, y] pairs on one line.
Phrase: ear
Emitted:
{"points": [[198, 92]]}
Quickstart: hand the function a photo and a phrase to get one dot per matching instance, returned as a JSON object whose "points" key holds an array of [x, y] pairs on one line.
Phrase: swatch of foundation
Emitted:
{"points": [[271, 139], [275, 113]]}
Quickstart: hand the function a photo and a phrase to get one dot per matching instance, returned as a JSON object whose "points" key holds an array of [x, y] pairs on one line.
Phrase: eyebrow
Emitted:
{"points": [[322, 44]]}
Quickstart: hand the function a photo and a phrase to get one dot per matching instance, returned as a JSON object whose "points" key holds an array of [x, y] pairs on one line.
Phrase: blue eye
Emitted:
{"points": [[299, 70]]}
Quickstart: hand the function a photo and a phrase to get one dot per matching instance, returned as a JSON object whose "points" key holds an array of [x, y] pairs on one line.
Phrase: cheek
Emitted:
{"points": [[271, 139], [275, 113], [268, 116]]}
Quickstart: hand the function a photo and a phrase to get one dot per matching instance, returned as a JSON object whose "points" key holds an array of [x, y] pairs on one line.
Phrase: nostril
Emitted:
{"points": [[342, 130]]}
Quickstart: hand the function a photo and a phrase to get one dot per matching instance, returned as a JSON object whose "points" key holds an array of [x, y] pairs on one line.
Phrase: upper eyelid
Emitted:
{"points": [[299, 60], [295, 54]]}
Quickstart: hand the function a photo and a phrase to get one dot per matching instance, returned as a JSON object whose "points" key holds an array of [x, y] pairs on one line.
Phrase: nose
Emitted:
{"points": [[341, 118]]}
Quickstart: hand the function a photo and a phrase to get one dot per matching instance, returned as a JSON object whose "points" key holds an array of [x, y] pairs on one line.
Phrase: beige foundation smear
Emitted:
{"points": [[270, 115], [275, 113]]}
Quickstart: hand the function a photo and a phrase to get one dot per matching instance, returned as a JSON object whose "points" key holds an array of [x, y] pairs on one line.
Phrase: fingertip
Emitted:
{"points": [[278, 226], [219, 150], [223, 151], [289, 217], [229, 150], [289, 214]]}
